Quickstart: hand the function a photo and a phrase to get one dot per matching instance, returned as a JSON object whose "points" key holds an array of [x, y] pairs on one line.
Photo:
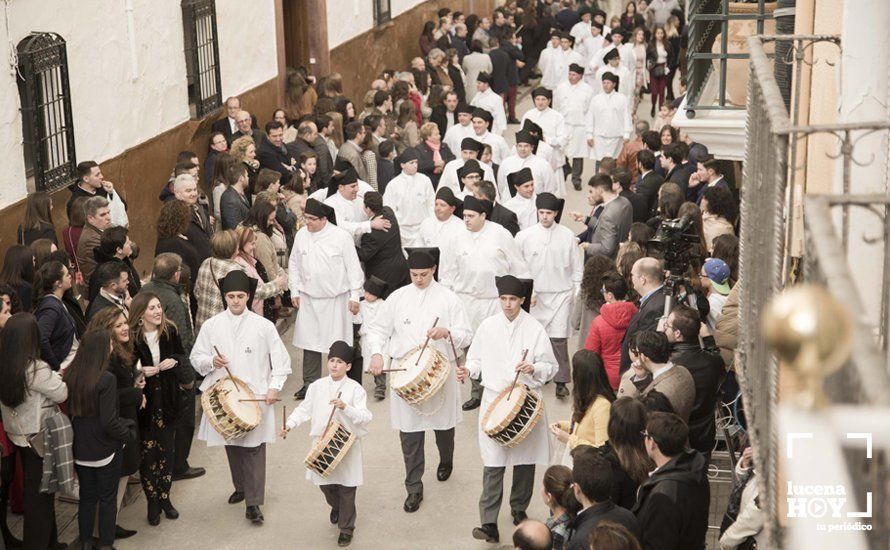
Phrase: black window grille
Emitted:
{"points": [[201, 56], [382, 12], [47, 129]]}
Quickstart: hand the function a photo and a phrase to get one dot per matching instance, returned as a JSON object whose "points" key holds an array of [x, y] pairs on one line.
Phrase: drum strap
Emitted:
{"points": [[441, 393]]}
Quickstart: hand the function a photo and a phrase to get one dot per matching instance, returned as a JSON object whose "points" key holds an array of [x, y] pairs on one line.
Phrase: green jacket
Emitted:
{"points": [[175, 308]]}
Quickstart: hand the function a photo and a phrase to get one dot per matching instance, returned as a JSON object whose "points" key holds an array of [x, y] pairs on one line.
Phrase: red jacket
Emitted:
{"points": [[606, 334]]}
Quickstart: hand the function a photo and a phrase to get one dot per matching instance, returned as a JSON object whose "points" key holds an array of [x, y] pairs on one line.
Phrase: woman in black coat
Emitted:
{"points": [[430, 141], [381, 251], [167, 373], [173, 223]]}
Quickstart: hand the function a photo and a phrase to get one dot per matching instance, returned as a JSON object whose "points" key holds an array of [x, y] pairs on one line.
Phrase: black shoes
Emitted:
{"points": [[412, 503], [561, 390], [576, 185], [300, 394], [518, 517], [335, 516], [344, 540], [379, 394], [513, 120], [471, 403], [121, 533], [236, 497], [488, 532], [444, 472], [191, 473], [169, 511], [154, 512], [254, 514]]}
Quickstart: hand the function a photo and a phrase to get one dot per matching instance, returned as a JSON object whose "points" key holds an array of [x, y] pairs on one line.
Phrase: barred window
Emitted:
{"points": [[201, 56], [382, 11], [48, 134]]}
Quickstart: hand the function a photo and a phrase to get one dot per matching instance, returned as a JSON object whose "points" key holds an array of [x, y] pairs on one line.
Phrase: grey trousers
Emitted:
{"points": [[493, 491], [476, 390], [342, 499], [248, 468], [577, 169], [380, 382], [412, 452], [561, 351], [311, 366]]}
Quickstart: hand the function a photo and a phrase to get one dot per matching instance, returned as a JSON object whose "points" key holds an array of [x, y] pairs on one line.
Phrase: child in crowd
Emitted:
{"points": [[368, 309]]}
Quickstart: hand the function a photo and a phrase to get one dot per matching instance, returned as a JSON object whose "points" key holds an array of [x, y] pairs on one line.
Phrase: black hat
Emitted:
{"points": [[548, 201], [584, 10], [319, 209], [508, 285], [519, 178], [478, 205], [341, 350], [341, 164], [575, 68], [532, 128], [611, 76], [484, 77], [470, 144], [238, 281], [408, 155], [422, 258], [464, 108], [446, 195], [479, 112], [472, 166], [611, 54], [542, 91], [346, 177], [376, 286], [524, 136], [567, 36]]}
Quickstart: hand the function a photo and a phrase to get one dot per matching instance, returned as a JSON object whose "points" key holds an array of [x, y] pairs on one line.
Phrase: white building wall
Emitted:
{"points": [[120, 100], [350, 18]]}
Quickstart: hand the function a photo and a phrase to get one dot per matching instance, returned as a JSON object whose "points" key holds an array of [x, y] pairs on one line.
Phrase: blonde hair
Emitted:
{"points": [[239, 147], [427, 130], [224, 244]]}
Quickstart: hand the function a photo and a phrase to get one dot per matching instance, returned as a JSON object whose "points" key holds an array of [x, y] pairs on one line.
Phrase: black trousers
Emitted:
{"points": [[98, 486], [415, 460], [184, 432], [40, 508], [7, 472]]}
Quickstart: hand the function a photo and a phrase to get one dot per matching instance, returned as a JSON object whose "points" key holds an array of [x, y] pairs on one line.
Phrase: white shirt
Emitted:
{"points": [[549, 77], [494, 104], [456, 134], [525, 210], [554, 259], [499, 148], [561, 61], [324, 264], [412, 200], [572, 101], [609, 116], [435, 233], [449, 175], [625, 80], [351, 215], [476, 258], [553, 125], [541, 171]]}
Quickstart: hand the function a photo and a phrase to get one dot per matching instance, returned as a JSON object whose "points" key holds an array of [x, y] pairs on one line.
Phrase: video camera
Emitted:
{"points": [[674, 239]]}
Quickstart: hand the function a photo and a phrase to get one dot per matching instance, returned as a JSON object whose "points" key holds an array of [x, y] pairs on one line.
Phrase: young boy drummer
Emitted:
{"points": [[497, 354], [349, 402]]}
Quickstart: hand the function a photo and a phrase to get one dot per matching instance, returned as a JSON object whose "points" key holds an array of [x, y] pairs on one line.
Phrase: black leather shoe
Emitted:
{"points": [[191, 473], [576, 185], [154, 513], [488, 532], [121, 533], [444, 472], [470, 404], [345, 539], [412, 503], [300, 394], [518, 517], [513, 120], [254, 514], [561, 391], [236, 497], [169, 511], [335, 516]]}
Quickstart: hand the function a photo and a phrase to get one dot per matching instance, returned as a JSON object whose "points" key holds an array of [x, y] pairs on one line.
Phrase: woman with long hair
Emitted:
{"points": [[29, 392], [668, 135], [641, 70], [247, 260], [406, 127], [427, 39], [346, 108], [592, 396], [261, 221], [299, 96], [130, 398], [244, 151], [628, 254], [100, 435], [58, 335], [167, 372], [587, 307], [18, 272], [726, 248], [218, 182], [626, 450], [559, 496], [658, 54], [173, 222], [701, 250], [630, 19], [719, 213], [42, 248], [71, 234], [71, 298], [674, 38], [38, 222]]}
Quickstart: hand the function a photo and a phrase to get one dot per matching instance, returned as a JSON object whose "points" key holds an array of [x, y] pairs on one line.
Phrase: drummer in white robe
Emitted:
{"points": [[343, 197], [572, 99], [404, 323], [487, 99], [470, 148], [249, 346], [613, 65], [556, 263], [411, 197], [522, 203], [497, 355], [463, 129], [325, 279], [482, 121], [526, 158], [440, 229], [609, 123], [348, 400]]}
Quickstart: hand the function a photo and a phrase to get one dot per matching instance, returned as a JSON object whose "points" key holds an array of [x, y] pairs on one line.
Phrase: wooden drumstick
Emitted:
{"points": [[257, 400], [393, 370], [454, 351], [232, 378], [516, 378], [426, 343], [284, 418], [331, 418]]}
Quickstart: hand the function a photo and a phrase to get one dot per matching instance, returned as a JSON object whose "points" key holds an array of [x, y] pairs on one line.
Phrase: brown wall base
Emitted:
{"points": [[391, 46], [142, 171]]}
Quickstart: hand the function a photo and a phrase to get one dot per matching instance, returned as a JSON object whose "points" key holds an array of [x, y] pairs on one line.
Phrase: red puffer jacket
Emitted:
{"points": [[606, 333]]}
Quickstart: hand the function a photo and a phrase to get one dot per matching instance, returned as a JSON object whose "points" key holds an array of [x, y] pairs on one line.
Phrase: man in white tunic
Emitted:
{"points": [[565, 57], [325, 283], [497, 354], [482, 252], [556, 263], [345, 398], [522, 203], [625, 78], [608, 120], [549, 75], [625, 51], [554, 133], [485, 98], [572, 100], [526, 158], [411, 197], [581, 30], [240, 342], [351, 217], [469, 149], [593, 46], [437, 231], [455, 135], [404, 323], [482, 121]]}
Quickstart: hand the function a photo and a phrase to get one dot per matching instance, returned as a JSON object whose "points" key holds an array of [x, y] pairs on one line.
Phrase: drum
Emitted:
{"points": [[509, 421], [330, 449], [420, 381], [229, 416]]}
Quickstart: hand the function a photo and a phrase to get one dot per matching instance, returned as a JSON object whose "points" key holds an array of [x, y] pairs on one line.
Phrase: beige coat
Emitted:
{"points": [[676, 384], [726, 333], [713, 227], [89, 240]]}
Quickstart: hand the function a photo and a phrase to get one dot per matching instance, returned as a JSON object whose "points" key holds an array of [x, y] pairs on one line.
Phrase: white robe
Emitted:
{"points": [[499, 148], [449, 175], [321, 194], [412, 199], [556, 134], [556, 263], [580, 31], [541, 172], [256, 355], [496, 350], [434, 233], [626, 80], [367, 313], [351, 215], [625, 54], [525, 210], [608, 124], [355, 417], [573, 102], [593, 45], [549, 76], [494, 104], [401, 325], [324, 271], [456, 134], [561, 61]]}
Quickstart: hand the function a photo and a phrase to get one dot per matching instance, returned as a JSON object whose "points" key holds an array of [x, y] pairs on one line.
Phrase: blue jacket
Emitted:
{"points": [[56, 328]]}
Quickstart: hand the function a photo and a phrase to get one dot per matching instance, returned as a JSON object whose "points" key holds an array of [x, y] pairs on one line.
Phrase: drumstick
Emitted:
{"points": [[232, 378], [331, 418], [284, 418], [257, 400], [426, 343], [393, 370], [516, 378], [454, 351]]}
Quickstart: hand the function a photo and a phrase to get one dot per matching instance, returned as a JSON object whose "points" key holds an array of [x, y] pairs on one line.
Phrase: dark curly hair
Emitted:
{"points": [[174, 219], [721, 203], [15, 305], [592, 281]]}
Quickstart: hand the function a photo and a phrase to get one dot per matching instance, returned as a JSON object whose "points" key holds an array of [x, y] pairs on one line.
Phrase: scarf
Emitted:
{"points": [[434, 147]]}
